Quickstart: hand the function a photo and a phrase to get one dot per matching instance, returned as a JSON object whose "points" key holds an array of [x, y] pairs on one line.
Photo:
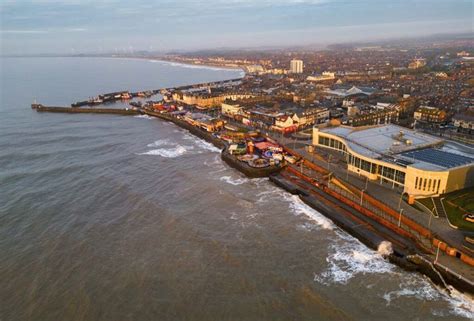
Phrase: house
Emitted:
{"points": [[464, 122]]}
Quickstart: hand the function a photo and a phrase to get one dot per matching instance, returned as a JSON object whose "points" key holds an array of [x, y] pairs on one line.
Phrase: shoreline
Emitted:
{"points": [[405, 254], [409, 259]]}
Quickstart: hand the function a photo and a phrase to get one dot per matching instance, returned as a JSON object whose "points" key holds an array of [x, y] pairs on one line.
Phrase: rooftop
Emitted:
{"points": [[399, 145]]}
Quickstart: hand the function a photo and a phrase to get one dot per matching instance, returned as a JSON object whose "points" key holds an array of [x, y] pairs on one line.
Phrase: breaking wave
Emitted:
{"points": [[298, 207], [348, 257], [420, 288], [159, 142], [201, 143], [234, 181], [144, 116], [169, 152]]}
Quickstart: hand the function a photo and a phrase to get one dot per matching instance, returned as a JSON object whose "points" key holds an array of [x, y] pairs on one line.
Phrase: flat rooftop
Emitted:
{"points": [[400, 146], [438, 157], [385, 139]]}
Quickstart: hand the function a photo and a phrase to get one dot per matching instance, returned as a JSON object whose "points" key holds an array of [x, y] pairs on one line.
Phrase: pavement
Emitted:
{"points": [[389, 195]]}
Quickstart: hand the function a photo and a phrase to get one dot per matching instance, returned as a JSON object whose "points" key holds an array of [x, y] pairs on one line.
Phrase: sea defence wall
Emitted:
{"points": [[70, 110], [372, 235]]}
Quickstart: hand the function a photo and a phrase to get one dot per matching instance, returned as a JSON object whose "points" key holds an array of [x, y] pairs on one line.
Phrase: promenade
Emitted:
{"points": [[334, 163]]}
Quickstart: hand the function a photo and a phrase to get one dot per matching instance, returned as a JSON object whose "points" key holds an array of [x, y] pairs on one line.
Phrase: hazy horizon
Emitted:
{"points": [[70, 27]]}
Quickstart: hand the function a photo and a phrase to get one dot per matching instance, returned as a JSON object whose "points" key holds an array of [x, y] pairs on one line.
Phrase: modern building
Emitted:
{"points": [[342, 91], [415, 162], [296, 66]]}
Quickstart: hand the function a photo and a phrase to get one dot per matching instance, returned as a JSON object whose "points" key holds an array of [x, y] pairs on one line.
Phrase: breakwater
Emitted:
{"points": [[70, 110]]}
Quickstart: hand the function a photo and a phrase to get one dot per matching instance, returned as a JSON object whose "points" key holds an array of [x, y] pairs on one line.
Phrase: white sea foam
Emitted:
{"points": [[385, 248], [420, 288], [207, 146], [160, 142], [234, 181], [349, 257], [176, 151], [144, 116], [201, 143], [298, 207]]}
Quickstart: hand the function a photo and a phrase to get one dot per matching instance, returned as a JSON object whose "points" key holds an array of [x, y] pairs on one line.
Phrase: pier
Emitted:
{"points": [[72, 110]]}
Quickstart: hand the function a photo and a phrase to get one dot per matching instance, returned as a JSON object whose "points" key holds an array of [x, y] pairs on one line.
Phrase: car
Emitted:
{"points": [[469, 217]]}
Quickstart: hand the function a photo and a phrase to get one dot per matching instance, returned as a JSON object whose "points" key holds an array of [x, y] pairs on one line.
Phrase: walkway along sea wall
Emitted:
{"points": [[70, 110]]}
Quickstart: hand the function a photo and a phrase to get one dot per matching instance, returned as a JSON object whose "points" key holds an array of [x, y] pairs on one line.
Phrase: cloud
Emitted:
{"points": [[41, 31]]}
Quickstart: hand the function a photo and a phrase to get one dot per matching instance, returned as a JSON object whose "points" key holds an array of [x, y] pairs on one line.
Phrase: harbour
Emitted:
{"points": [[100, 208], [373, 225]]}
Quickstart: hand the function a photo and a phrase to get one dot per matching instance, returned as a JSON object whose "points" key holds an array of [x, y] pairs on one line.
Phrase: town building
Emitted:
{"points": [[464, 122], [373, 117], [430, 115], [296, 66], [326, 75], [417, 63], [207, 100], [401, 157], [343, 91], [204, 121]]}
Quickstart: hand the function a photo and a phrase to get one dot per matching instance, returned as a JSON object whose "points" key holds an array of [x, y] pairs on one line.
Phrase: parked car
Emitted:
{"points": [[469, 217]]}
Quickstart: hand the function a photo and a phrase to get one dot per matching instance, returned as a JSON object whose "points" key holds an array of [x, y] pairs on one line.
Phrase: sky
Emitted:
{"points": [[101, 26]]}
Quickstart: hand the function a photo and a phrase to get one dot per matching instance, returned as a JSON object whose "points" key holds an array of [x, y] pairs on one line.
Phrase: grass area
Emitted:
{"points": [[459, 203], [456, 205], [426, 202]]}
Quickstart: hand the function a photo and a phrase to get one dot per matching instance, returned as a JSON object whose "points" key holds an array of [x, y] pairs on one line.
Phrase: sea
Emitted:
{"points": [[106, 217]]}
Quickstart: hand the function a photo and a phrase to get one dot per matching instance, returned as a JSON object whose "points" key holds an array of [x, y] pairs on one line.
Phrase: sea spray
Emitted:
{"points": [[385, 248]]}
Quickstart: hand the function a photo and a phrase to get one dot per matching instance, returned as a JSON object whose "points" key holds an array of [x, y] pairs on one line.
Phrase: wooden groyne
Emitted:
{"points": [[71, 110]]}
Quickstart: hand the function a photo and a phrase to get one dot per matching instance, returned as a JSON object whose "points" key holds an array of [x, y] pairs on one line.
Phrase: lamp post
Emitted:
{"points": [[361, 196], [437, 252], [366, 182], [400, 200], [400, 218]]}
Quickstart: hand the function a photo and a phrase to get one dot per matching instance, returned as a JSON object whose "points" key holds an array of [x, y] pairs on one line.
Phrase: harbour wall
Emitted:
{"points": [[70, 110]]}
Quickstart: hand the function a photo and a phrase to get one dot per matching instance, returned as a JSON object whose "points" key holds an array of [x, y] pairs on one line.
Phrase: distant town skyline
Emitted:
{"points": [[74, 26]]}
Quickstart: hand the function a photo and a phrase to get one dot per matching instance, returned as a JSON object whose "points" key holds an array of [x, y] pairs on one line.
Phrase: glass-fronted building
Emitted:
{"points": [[416, 163]]}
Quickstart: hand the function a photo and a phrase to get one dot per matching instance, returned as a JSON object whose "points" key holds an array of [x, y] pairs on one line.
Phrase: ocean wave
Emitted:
{"points": [[159, 142], [348, 258], [234, 181], [298, 207], [200, 143], [144, 117], [178, 150], [421, 288]]}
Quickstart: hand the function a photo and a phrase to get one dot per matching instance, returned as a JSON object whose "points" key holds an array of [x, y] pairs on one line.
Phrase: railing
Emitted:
{"points": [[372, 208]]}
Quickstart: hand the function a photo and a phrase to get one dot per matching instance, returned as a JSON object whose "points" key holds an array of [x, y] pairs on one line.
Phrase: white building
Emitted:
{"points": [[296, 66], [324, 76], [400, 157]]}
